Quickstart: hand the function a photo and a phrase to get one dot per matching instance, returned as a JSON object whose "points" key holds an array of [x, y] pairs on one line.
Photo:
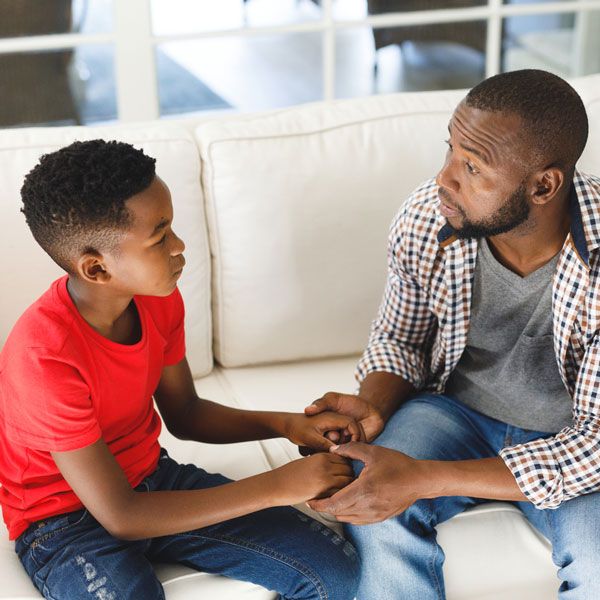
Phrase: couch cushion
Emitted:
{"points": [[27, 271], [299, 203], [494, 553]]}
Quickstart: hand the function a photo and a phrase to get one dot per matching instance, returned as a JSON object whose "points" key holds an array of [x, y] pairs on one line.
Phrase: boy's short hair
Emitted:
{"points": [[74, 198], [553, 116]]}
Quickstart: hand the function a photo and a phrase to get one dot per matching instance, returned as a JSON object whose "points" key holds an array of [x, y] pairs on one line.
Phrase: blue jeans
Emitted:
{"points": [[432, 426], [73, 557]]}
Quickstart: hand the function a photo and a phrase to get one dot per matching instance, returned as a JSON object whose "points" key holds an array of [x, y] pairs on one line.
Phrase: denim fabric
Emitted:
{"points": [[73, 557], [401, 558]]}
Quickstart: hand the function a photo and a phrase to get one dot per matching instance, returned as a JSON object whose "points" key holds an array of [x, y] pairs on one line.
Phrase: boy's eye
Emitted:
{"points": [[162, 240]]}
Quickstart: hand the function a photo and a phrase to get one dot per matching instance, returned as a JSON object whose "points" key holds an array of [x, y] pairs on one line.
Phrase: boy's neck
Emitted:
{"points": [[113, 317]]}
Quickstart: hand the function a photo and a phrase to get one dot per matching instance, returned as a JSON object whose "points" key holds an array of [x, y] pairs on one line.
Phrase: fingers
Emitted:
{"points": [[333, 435], [340, 484], [354, 450], [355, 432], [327, 402], [340, 503]]}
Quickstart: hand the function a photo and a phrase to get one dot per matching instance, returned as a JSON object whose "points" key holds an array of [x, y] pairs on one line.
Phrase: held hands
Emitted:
{"points": [[312, 433], [352, 406], [388, 484], [317, 476]]}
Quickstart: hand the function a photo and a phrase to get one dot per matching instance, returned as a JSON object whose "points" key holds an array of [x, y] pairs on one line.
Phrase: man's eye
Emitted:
{"points": [[449, 144], [472, 169]]}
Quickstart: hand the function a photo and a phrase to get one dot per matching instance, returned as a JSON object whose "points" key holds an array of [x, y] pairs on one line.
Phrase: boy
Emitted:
{"points": [[87, 492]]}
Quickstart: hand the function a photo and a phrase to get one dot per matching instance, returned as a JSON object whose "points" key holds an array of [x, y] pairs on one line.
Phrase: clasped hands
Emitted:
{"points": [[386, 485]]}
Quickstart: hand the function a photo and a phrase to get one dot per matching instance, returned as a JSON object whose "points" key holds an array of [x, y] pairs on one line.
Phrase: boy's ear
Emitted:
{"points": [[548, 183], [90, 267]]}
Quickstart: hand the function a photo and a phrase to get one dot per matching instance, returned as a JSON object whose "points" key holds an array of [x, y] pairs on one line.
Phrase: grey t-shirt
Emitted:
{"points": [[508, 370]]}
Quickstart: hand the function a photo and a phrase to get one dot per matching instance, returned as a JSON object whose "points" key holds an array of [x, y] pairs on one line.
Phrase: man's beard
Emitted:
{"points": [[511, 214]]}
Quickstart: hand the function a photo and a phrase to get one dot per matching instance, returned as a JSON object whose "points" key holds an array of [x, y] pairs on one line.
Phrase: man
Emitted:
{"points": [[483, 362]]}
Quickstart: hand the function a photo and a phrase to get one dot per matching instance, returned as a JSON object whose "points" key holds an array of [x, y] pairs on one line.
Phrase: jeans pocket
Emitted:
{"points": [[48, 534]]}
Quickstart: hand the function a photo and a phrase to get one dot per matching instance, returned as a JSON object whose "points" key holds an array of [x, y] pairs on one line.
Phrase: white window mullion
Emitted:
{"points": [[586, 43], [135, 68], [493, 50], [328, 51]]}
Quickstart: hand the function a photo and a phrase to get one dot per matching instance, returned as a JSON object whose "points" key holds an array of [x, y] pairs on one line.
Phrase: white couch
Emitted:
{"points": [[285, 217]]}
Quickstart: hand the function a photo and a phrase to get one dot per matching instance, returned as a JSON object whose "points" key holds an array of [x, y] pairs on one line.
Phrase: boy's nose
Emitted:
{"points": [[178, 246]]}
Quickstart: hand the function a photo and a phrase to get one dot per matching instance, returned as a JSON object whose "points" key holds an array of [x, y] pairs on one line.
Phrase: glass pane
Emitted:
{"points": [[346, 10], [63, 87], [565, 44], [93, 16], [172, 17], [95, 83], [243, 73], [43, 17], [424, 57], [530, 1]]}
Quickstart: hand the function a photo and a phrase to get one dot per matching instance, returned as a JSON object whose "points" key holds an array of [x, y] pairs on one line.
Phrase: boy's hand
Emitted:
{"points": [[317, 476], [311, 433]]}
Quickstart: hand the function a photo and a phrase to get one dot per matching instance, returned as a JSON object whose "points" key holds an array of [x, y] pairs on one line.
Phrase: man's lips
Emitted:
{"points": [[447, 209]]}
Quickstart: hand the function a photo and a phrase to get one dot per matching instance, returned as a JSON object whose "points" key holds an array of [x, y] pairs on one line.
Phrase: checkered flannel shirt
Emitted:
{"points": [[421, 330]]}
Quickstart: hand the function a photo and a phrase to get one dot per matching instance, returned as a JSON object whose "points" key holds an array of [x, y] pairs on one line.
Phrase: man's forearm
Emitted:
{"points": [[488, 478], [385, 392]]}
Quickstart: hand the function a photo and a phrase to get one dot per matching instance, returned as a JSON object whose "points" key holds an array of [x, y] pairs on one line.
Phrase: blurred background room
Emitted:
{"points": [[96, 61]]}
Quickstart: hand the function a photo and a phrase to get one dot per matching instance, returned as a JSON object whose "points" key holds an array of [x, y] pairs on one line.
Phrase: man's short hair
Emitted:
{"points": [[553, 117], [74, 198]]}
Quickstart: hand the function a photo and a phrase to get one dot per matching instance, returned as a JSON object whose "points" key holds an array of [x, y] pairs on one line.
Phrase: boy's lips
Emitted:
{"points": [[180, 270]]}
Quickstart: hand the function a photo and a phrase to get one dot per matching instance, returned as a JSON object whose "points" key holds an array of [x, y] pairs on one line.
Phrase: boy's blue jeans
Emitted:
{"points": [[401, 558], [73, 557]]}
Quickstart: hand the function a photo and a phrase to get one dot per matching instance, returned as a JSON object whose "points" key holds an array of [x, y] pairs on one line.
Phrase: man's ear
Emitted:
{"points": [[91, 267], [547, 185]]}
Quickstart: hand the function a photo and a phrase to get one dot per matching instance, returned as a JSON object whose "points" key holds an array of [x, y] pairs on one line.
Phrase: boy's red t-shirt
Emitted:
{"points": [[63, 386]]}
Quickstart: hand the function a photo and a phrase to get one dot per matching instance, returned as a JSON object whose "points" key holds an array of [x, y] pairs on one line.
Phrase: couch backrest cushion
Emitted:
{"points": [[26, 271], [299, 203]]}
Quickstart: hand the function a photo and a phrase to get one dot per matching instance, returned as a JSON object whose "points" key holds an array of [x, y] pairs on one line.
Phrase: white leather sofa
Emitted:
{"points": [[285, 217]]}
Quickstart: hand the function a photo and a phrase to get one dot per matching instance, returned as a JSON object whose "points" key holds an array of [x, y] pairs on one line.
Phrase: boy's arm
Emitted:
{"points": [[189, 417], [98, 480]]}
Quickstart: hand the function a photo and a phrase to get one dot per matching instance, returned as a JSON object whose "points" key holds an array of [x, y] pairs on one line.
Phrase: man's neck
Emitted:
{"points": [[531, 245]]}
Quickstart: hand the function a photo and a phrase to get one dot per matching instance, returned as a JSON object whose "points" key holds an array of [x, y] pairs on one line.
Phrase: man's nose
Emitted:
{"points": [[445, 177]]}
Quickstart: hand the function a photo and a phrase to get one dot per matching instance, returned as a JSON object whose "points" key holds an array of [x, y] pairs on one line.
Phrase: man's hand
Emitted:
{"points": [[391, 481], [312, 433], [352, 406], [388, 484]]}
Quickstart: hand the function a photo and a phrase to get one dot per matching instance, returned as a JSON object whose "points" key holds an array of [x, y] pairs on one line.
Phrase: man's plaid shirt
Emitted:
{"points": [[421, 330]]}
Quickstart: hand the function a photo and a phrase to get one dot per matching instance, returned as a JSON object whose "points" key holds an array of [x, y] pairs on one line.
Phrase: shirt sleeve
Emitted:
{"points": [[551, 470], [402, 330], [53, 411]]}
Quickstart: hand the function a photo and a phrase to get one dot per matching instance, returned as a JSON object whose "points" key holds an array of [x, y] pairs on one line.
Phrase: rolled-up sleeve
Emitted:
{"points": [[551, 470]]}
